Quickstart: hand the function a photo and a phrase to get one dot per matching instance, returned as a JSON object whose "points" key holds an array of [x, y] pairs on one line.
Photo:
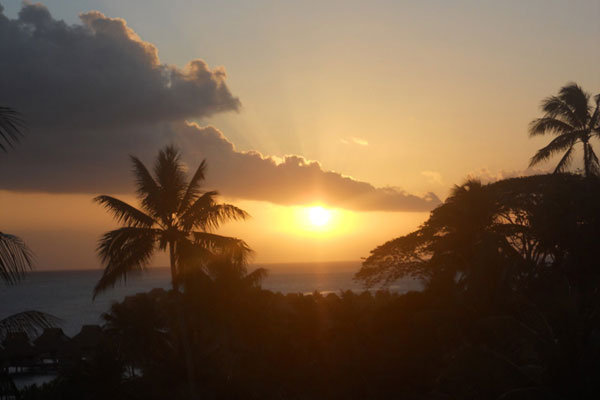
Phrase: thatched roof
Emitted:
{"points": [[88, 337], [51, 340]]}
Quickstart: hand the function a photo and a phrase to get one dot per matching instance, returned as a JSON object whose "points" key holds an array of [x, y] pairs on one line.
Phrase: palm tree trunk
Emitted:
{"points": [[174, 281], [183, 331], [586, 159]]}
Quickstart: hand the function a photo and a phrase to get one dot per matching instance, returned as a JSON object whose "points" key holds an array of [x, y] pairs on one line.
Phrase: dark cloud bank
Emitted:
{"points": [[95, 92]]}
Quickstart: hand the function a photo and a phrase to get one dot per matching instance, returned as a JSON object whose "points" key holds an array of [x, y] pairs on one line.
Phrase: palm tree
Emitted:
{"points": [[16, 259], [15, 256], [175, 216], [573, 120]]}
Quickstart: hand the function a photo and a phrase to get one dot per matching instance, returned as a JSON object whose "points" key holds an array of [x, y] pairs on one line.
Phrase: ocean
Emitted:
{"points": [[68, 294]]}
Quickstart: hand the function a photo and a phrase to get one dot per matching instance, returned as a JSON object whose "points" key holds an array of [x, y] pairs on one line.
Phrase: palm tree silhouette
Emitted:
{"points": [[174, 216], [572, 119], [15, 256], [16, 259]]}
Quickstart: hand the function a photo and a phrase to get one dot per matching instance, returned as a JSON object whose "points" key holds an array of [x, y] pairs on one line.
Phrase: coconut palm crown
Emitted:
{"points": [[175, 216], [16, 259], [572, 118]]}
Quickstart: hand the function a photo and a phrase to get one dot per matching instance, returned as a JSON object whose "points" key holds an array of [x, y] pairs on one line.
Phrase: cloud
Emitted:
{"points": [[95, 92], [355, 140], [432, 176], [99, 74], [291, 180]]}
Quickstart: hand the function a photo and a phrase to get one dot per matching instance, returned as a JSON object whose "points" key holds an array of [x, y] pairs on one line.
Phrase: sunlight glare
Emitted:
{"points": [[319, 216]]}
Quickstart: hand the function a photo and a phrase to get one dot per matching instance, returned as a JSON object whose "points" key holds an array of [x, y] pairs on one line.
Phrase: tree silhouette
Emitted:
{"points": [[11, 127], [504, 233], [175, 216], [15, 256], [462, 244], [16, 259], [573, 120]]}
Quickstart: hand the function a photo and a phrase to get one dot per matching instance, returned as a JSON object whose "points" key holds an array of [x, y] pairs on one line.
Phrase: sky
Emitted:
{"points": [[373, 110]]}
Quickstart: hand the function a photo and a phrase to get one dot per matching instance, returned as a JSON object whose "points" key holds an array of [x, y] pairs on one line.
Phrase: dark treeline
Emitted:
{"points": [[510, 307], [509, 311]]}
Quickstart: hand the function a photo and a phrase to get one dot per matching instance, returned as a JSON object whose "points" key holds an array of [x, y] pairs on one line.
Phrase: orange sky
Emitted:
{"points": [[411, 95]]}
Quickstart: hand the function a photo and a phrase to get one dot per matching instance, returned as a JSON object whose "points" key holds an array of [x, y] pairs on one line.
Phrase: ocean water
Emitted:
{"points": [[68, 294]]}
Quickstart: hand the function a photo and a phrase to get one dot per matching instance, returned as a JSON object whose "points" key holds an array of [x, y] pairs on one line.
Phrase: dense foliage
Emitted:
{"points": [[509, 311]]}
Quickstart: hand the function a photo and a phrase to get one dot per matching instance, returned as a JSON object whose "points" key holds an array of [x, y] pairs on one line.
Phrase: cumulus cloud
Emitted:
{"points": [[99, 74], [94, 92], [291, 180]]}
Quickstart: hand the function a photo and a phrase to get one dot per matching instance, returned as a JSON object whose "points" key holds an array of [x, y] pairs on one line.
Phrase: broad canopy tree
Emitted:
{"points": [[502, 234]]}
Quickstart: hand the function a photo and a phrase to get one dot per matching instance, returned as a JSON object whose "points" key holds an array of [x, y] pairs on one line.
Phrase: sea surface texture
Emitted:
{"points": [[68, 294]]}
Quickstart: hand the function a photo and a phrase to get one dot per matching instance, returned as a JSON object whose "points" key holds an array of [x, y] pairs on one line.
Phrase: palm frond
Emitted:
{"points": [[193, 188], [578, 100], [212, 217], [564, 162], [594, 164], [147, 188], [595, 119], [11, 127], [124, 251], [554, 107], [214, 241], [170, 177], [541, 126], [233, 248], [255, 278], [192, 256], [559, 144], [16, 259], [30, 322], [189, 217], [124, 213]]}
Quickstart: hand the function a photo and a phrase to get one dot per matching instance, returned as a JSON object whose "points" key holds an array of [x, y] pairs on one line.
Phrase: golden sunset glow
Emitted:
{"points": [[299, 199], [318, 221], [319, 216]]}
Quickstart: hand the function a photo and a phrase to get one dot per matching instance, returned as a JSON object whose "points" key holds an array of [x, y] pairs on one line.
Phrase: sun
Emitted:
{"points": [[316, 221], [319, 216]]}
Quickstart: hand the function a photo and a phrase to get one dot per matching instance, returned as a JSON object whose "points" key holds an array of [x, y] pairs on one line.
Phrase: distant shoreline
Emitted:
{"points": [[284, 267]]}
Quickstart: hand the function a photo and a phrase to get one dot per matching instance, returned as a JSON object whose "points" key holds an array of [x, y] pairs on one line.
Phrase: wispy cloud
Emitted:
{"points": [[355, 140]]}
